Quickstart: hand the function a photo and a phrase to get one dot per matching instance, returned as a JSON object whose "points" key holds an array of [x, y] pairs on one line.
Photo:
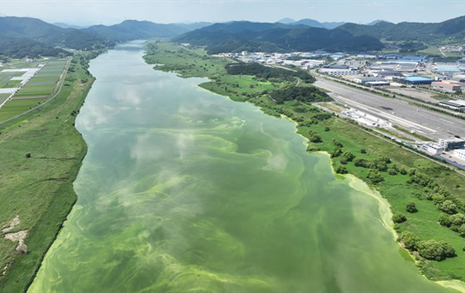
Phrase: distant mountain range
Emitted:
{"points": [[32, 37], [255, 36], [316, 23], [453, 29], [311, 22]]}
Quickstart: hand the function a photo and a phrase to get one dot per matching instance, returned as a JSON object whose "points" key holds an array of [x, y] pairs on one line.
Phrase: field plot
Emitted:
{"points": [[43, 83], [5, 79], [16, 107], [36, 91], [3, 97]]}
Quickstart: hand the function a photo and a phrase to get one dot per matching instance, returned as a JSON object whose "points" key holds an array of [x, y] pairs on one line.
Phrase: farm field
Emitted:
{"points": [[15, 107], [36, 91], [3, 97], [44, 82]]}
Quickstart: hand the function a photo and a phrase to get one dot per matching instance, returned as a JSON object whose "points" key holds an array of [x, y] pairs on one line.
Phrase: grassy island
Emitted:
{"points": [[41, 153], [427, 199]]}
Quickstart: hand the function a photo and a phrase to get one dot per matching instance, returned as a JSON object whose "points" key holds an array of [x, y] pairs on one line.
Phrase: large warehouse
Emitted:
{"points": [[416, 80]]}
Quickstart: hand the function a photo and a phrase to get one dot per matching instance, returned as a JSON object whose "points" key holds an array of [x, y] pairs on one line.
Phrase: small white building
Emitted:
{"points": [[460, 154], [433, 148]]}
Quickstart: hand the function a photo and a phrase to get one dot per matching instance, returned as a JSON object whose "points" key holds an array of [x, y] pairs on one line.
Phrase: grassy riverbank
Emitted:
{"points": [[395, 178], [41, 153]]}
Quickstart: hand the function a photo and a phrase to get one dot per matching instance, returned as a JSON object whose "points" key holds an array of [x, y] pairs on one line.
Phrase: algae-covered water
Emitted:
{"points": [[183, 190]]}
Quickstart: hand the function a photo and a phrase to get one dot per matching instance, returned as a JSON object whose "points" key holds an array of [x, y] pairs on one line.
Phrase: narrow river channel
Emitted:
{"points": [[183, 190]]}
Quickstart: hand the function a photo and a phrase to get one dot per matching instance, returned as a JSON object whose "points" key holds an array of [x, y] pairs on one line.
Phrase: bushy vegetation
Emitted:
{"points": [[267, 73], [309, 94]]}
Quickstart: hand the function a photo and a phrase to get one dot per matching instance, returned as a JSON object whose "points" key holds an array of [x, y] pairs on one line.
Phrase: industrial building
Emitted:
{"points": [[372, 81], [433, 148], [454, 104], [416, 80], [339, 70], [446, 87], [452, 144]]}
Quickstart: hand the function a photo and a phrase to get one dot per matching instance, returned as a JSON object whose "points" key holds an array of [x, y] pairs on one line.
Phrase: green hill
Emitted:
{"points": [[49, 34], [276, 37], [134, 29], [20, 48], [453, 29]]}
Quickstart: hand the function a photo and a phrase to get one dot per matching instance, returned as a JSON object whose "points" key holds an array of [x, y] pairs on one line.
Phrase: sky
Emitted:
{"points": [[87, 12]]}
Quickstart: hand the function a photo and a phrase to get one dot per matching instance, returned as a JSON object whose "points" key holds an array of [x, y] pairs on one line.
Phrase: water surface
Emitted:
{"points": [[183, 190]]}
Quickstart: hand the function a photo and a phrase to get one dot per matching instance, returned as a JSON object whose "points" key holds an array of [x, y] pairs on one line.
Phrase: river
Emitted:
{"points": [[183, 190]]}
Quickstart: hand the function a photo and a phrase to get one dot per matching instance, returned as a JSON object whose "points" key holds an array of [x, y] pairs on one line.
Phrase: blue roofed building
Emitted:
{"points": [[417, 80]]}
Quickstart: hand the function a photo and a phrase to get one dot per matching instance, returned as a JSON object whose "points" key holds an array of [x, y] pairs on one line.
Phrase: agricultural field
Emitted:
{"points": [[3, 97], [36, 91], [43, 83]]}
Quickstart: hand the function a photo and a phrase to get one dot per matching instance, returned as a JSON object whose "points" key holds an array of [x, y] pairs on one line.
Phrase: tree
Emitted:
{"points": [[461, 230], [374, 176], [341, 170], [409, 239], [435, 250], [363, 151], [348, 156], [444, 220], [448, 207], [315, 138], [392, 172], [336, 152], [411, 207], [398, 218]]}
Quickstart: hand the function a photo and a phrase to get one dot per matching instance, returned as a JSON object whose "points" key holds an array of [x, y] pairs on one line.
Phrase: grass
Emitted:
{"points": [[353, 138], [39, 189]]}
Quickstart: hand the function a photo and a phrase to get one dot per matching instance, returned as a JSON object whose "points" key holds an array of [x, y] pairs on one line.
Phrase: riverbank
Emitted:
{"points": [[41, 153], [339, 138]]}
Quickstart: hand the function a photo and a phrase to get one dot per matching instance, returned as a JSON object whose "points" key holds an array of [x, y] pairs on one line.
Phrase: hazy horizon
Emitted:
{"points": [[108, 12]]}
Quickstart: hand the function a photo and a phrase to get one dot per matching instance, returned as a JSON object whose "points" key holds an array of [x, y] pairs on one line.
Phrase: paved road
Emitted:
{"points": [[429, 123]]}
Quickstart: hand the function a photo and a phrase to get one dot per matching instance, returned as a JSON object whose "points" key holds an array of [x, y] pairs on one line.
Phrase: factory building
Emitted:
{"points": [[372, 81], [446, 87], [338, 70], [452, 144], [416, 80], [454, 104]]}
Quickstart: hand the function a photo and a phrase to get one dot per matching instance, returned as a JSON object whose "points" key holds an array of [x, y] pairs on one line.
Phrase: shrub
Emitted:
{"points": [[363, 151], [341, 170], [435, 250], [444, 220], [374, 176], [398, 218], [411, 207], [409, 239], [448, 207]]}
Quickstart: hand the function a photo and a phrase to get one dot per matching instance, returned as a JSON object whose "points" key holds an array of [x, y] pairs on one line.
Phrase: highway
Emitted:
{"points": [[428, 123]]}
